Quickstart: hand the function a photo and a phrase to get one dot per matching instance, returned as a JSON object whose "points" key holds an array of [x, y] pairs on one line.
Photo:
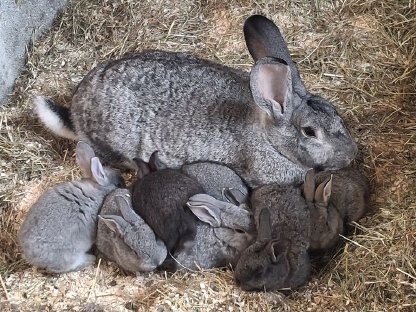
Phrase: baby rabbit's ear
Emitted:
{"points": [[84, 153], [323, 191], [264, 231], [278, 253], [271, 86], [143, 168], [234, 196], [115, 223], [155, 163], [204, 207], [98, 172], [309, 185], [126, 209]]}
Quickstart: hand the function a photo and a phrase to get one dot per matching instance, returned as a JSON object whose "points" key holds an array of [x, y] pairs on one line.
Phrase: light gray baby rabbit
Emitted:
{"points": [[223, 232], [124, 237], [60, 228], [341, 197], [265, 125]]}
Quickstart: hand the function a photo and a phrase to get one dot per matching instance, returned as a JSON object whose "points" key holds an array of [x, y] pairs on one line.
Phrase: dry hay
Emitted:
{"points": [[360, 54]]}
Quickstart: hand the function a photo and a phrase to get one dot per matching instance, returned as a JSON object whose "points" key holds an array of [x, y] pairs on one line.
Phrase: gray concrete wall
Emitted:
{"points": [[20, 21]]}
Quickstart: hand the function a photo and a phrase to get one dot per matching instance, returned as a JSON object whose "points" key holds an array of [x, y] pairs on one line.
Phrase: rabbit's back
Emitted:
{"points": [[214, 178], [61, 221], [127, 98]]}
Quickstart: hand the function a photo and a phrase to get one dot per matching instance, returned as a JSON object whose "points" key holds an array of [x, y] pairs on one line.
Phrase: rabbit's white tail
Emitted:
{"points": [[55, 117]]}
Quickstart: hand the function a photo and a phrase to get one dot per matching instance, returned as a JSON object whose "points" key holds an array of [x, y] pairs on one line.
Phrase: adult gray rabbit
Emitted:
{"points": [[159, 196], [265, 125], [341, 197], [60, 228], [124, 237], [223, 231], [279, 256]]}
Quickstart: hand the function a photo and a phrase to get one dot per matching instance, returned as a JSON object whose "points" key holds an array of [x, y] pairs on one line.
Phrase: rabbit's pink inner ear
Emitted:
{"points": [[115, 223], [323, 191], [98, 172], [210, 215], [84, 153], [327, 191], [273, 82]]}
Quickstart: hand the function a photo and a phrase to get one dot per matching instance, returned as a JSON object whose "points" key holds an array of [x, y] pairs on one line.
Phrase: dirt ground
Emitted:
{"points": [[359, 54]]}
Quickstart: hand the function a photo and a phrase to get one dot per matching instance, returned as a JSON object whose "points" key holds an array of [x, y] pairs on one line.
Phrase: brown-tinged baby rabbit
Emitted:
{"points": [[341, 196], [278, 258], [60, 228], [124, 237], [159, 197]]}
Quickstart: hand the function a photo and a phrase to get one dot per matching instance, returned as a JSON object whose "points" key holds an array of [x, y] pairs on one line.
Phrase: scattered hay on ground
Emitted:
{"points": [[360, 54]]}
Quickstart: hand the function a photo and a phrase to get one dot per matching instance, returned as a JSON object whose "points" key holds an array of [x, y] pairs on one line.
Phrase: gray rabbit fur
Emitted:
{"points": [[60, 228], [265, 125], [292, 220], [223, 232], [159, 196], [124, 238], [341, 197], [225, 226], [279, 256]]}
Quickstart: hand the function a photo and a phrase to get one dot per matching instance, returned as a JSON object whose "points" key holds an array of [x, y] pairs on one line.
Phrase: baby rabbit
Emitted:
{"points": [[341, 196], [224, 230], [278, 258], [160, 196], [60, 228], [124, 237]]}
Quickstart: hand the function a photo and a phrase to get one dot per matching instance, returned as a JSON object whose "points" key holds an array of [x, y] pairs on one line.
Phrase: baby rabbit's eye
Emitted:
{"points": [[308, 132], [239, 231]]}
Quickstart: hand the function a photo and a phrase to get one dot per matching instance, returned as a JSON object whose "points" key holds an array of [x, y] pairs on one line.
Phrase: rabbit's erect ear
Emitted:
{"points": [[234, 196], [126, 210], [98, 173], [271, 86], [309, 185], [264, 230], [204, 207], [323, 191], [84, 154], [143, 168], [264, 39], [115, 223], [278, 252], [155, 163]]}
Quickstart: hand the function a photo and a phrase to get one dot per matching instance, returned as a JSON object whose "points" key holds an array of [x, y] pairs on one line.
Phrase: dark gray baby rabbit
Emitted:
{"points": [[278, 258], [60, 228], [159, 197], [265, 125], [340, 197], [124, 237]]}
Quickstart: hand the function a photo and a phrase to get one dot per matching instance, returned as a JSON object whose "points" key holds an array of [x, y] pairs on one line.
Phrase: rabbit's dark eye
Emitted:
{"points": [[308, 132], [239, 231]]}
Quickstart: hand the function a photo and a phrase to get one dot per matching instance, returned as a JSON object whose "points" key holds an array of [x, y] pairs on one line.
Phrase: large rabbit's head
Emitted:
{"points": [[303, 127]]}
